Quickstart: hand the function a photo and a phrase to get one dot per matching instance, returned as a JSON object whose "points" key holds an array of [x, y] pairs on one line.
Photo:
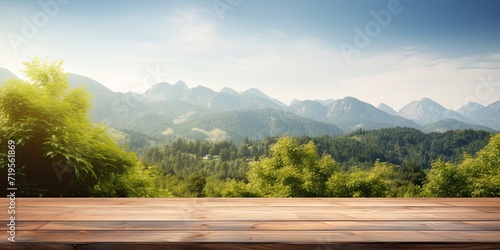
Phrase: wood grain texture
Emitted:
{"points": [[253, 223]]}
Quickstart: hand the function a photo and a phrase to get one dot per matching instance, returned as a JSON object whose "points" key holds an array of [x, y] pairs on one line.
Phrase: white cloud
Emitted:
{"points": [[491, 65], [288, 67], [193, 27], [193, 45], [494, 57], [450, 81]]}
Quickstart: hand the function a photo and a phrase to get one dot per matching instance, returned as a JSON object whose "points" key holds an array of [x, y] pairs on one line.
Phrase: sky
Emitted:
{"points": [[378, 51]]}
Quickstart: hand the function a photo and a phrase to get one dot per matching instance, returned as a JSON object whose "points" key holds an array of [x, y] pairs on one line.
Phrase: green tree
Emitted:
{"points": [[484, 170], [445, 180], [195, 184], [293, 170], [376, 182], [475, 177], [59, 152], [225, 155], [234, 188], [243, 151]]}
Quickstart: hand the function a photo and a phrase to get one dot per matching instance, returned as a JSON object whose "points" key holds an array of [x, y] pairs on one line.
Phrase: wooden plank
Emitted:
{"points": [[258, 209], [296, 237], [35, 246], [188, 209], [27, 225], [298, 202], [61, 216], [245, 246], [90, 221], [261, 225]]}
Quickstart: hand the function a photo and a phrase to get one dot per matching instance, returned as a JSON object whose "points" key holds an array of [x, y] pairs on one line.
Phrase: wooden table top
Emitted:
{"points": [[264, 223]]}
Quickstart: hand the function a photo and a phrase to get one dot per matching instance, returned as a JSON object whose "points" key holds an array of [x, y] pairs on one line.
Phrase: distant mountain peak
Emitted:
{"points": [[430, 102], [181, 84], [325, 102], [495, 105], [469, 108], [6, 71], [202, 87], [351, 99], [228, 91], [386, 108], [427, 111], [256, 92], [89, 83], [383, 105], [425, 103], [350, 113], [161, 84], [166, 91], [295, 102], [474, 104], [6, 74]]}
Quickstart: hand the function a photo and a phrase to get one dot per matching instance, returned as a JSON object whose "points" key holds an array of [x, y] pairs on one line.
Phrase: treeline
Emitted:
{"points": [[388, 162], [401, 146], [221, 160]]}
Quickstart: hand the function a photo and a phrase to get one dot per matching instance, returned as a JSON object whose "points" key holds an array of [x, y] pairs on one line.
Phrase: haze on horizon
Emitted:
{"points": [[377, 51]]}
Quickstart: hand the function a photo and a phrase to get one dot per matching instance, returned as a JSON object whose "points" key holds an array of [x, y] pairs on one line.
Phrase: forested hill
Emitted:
{"points": [[388, 162], [401, 146], [409, 148]]}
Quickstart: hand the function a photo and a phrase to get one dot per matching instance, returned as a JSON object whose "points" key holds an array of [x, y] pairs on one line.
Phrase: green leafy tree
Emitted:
{"points": [[244, 151], [234, 188], [59, 152], [293, 170], [225, 155], [375, 182], [213, 187], [195, 184], [445, 180], [484, 170], [226, 188], [475, 177]]}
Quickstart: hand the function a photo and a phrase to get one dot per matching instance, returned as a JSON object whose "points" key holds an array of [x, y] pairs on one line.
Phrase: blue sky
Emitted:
{"points": [[405, 50]]}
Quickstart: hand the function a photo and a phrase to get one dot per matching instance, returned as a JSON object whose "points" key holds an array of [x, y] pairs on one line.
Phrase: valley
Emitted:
{"points": [[194, 142], [177, 111]]}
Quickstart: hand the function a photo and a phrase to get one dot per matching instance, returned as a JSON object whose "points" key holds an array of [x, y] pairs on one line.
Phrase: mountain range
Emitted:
{"points": [[175, 110], [225, 100], [349, 114]]}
